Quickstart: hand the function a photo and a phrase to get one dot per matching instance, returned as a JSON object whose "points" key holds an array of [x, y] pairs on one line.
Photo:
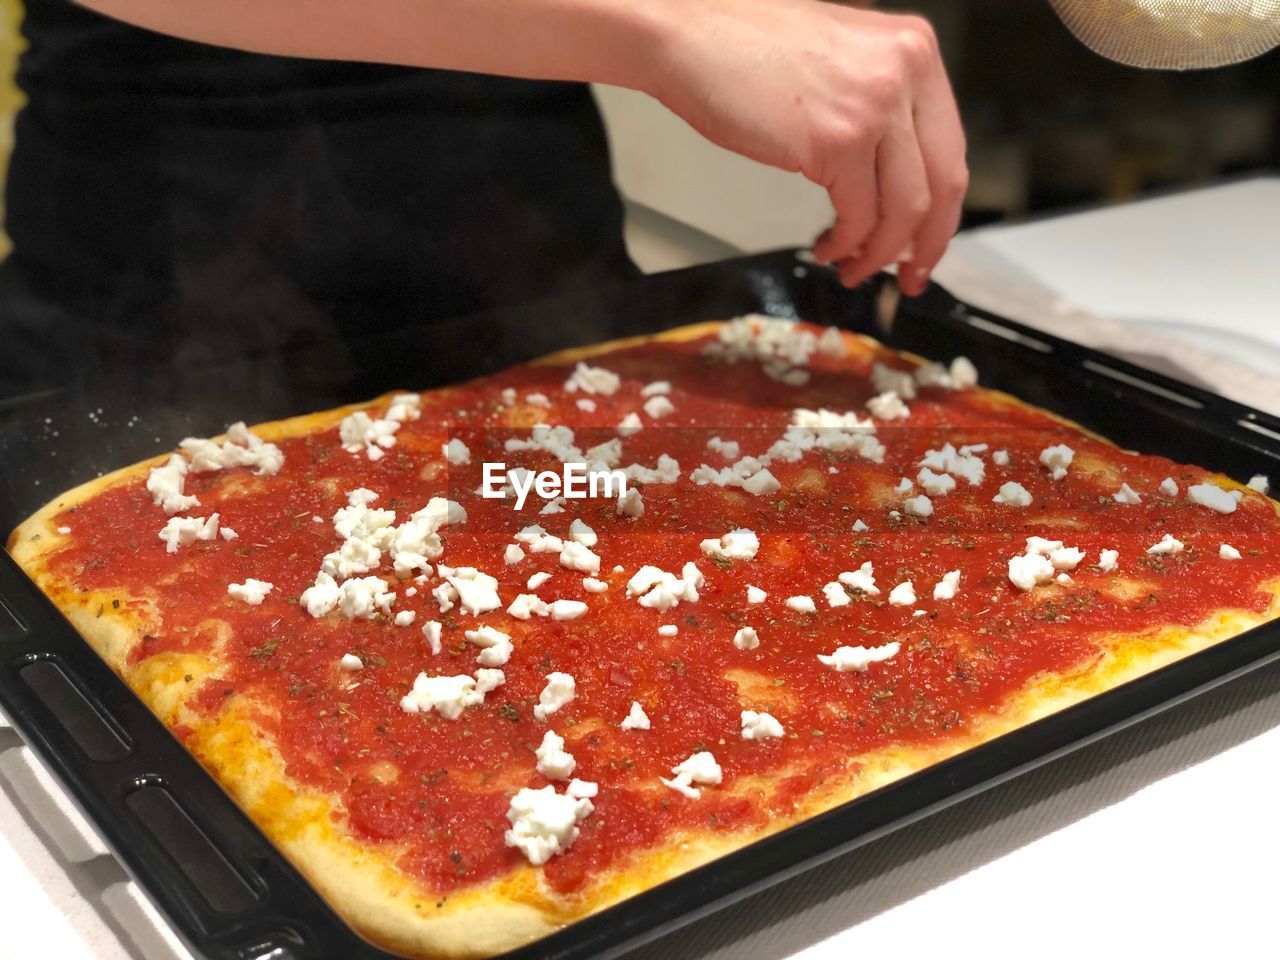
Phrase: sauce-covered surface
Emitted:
{"points": [[439, 789]]}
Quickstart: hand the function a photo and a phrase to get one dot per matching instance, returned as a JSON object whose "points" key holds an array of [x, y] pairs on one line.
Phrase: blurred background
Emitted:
{"points": [[1051, 126]]}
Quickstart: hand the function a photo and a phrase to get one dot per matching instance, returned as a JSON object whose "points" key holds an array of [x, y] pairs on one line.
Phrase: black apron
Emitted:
{"points": [[184, 204]]}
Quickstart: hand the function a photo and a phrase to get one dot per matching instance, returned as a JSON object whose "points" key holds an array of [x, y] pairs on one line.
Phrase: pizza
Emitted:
{"points": [[757, 569]]}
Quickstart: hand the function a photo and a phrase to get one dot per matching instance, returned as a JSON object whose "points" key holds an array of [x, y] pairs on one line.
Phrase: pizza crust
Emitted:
{"points": [[361, 882]]}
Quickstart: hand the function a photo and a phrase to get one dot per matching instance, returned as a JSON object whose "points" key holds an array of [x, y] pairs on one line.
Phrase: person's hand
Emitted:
{"points": [[855, 100]]}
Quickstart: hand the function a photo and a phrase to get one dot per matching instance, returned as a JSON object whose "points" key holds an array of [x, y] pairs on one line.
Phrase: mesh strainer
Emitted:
{"points": [[1174, 34]]}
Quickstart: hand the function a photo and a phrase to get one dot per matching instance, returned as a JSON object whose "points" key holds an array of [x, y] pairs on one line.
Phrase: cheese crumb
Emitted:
{"points": [[668, 630], [903, 595], [1259, 482], [545, 823], [835, 594], [888, 406], [658, 407], [1013, 495], [1126, 495], [456, 452], [860, 527], [554, 762], [920, 506], [1169, 487], [631, 503], [252, 591], [184, 531], [850, 659], [729, 449], [351, 663], [761, 483], [947, 587], [740, 544], [513, 553], [1168, 545], [431, 632], [593, 380], [801, 604], [1057, 459], [629, 425], [1000, 458], [495, 645], [636, 719], [537, 580], [755, 595], [746, 638], [1108, 560], [699, 768], [567, 609], [1228, 552], [592, 585], [1215, 498], [1028, 570], [560, 690], [449, 696], [759, 726], [861, 579]]}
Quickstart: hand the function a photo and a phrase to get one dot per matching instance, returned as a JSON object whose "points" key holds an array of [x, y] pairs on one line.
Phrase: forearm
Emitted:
{"points": [[606, 41]]}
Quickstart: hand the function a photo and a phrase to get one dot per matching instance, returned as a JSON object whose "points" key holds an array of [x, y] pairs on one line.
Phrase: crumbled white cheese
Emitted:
{"points": [[1215, 498], [1000, 458], [1013, 495], [660, 590], [1030, 569], [225, 532], [835, 594], [405, 407], [631, 503], [668, 630], [903, 595], [1168, 544], [456, 452], [575, 556], [353, 557], [801, 604], [363, 598], [848, 659], [583, 534], [449, 696], [184, 531], [166, 485], [560, 690], [699, 768], [528, 605], [740, 544], [495, 645], [593, 380], [1057, 459], [861, 579], [950, 460], [759, 726], [755, 594], [358, 431], [252, 591], [904, 486], [1126, 495], [537, 580], [636, 719], [659, 407], [1228, 552], [1064, 579], [746, 638], [885, 379], [508, 395], [1169, 487], [592, 585], [545, 823], [321, 597], [1259, 482], [431, 632], [538, 400], [445, 596], [1108, 560], [1066, 558], [567, 609], [539, 541], [729, 449], [959, 375], [831, 343], [629, 425], [920, 506], [351, 663], [585, 404], [477, 592], [761, 483], [859, 527], [66, 530], [554, 762], [888, 406], [935, 484], [239, 448], [948, 586], [513, 553]]}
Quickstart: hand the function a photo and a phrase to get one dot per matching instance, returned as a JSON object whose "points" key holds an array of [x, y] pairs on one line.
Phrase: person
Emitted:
{"points": [[193, 180]]}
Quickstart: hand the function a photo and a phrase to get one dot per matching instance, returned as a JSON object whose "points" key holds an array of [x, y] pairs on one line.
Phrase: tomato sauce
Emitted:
{"points": [[438, 790]]}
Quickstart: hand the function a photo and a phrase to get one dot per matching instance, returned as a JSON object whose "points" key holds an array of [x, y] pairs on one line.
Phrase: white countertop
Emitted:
{"points": [[1159, 840]]}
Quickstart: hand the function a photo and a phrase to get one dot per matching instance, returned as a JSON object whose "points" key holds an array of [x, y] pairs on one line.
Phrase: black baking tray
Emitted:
{"points": [[226, 890]]}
